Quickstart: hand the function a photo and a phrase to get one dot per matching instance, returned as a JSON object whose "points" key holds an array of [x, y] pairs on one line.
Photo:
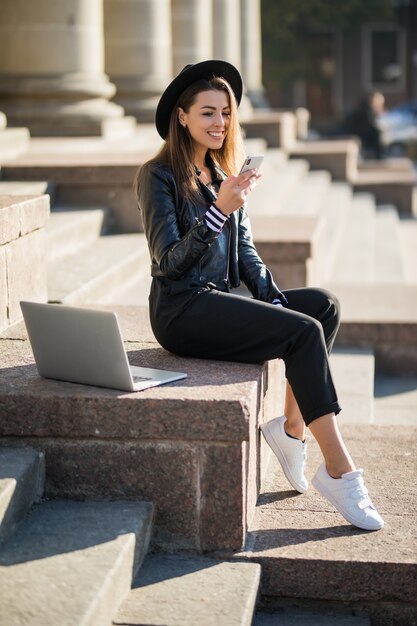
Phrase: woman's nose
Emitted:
{"points": [[219, 121]]}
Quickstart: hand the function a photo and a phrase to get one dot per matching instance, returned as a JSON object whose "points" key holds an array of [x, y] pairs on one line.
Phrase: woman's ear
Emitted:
{"points": [[181, 117]]}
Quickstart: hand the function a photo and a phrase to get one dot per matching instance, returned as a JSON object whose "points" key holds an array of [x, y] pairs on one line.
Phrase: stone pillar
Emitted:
{"points": [[226, 31], [252, 52], [227, 41], [192, 32], [52, 76], [138, 52]]}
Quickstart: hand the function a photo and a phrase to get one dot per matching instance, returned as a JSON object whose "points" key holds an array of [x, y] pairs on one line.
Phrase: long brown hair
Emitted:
{"points": [[178, 151]]}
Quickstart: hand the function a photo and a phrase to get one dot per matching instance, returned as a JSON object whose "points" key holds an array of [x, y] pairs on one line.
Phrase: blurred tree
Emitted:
{"points": [[288, 28]]}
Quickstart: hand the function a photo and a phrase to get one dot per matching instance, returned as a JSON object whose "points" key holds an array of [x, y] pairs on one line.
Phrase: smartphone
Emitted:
{"points": [[252, 162]]}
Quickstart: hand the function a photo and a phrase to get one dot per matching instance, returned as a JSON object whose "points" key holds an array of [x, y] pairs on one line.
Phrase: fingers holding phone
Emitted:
{"points": [[234, 189]]}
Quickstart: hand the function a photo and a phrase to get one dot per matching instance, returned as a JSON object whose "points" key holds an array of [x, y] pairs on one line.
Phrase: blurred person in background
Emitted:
{"points": [[363, 121]]}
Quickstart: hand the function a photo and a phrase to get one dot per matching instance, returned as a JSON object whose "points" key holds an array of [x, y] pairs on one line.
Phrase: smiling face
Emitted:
{"points": [[207, 121]]}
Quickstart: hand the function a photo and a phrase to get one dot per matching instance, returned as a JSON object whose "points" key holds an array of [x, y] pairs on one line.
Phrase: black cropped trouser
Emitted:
{"points": [[228, 327]]}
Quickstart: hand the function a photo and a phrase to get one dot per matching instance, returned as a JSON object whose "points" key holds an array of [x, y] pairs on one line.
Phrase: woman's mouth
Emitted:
{"points": [[215, 134]]}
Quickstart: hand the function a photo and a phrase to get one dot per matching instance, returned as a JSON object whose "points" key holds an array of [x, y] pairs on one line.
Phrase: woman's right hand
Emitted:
{"points": [[234, 189]]}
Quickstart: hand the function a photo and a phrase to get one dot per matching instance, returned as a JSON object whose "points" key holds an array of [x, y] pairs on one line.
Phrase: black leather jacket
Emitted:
{"points": [[186, 254]]}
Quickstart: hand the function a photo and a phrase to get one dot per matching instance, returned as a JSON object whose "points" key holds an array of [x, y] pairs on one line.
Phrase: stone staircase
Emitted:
{"points": [[63, 562], [192, 448]]}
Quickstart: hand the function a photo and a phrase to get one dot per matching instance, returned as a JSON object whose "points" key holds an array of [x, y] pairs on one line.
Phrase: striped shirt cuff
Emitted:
{"points": [[214, 219]]}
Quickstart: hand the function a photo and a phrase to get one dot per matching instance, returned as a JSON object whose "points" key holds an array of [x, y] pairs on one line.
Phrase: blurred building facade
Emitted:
{"points": [[71, 67], [379, 56]]}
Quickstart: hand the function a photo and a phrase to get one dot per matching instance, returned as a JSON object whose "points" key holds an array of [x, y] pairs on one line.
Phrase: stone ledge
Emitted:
{"points": [[213, 403], [191, 446]]}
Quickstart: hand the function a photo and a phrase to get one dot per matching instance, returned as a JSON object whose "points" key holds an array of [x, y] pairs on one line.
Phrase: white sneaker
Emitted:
{"points": [[290, 452], [350, 497]]}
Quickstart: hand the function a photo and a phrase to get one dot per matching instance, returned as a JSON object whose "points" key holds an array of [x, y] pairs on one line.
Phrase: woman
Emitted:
{"points": [[192, 200]]}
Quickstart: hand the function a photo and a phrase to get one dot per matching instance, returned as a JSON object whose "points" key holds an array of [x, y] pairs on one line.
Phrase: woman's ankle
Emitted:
{"points": [[336, 470], [295, 429]]}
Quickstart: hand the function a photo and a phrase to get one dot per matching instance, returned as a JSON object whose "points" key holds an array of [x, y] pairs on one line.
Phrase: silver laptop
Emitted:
{"points": [[85, 346]]}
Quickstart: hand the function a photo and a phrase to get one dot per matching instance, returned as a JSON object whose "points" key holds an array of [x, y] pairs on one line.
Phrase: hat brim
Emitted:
{"points": [[188, 76]]}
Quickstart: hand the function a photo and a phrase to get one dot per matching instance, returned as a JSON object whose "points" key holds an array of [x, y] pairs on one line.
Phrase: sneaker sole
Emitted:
{"points": [[269, 438], [323, 491]]}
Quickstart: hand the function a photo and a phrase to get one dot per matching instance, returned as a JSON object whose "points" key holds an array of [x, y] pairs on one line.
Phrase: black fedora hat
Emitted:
{"points": [[189, 75]]}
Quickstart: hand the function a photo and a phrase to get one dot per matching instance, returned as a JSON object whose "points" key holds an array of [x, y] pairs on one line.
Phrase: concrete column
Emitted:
{"points": [[52, 76], [250, 11], [138, 52], [192, 32]]}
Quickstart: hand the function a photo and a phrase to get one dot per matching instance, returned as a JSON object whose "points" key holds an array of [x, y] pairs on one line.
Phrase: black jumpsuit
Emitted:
{"points": [[195, 313]]}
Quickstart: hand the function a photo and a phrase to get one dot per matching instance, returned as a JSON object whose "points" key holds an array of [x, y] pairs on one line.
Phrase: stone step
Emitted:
{"points": [[25, 188], [388, 257], [179, 590], [299, 617], [355, 259], [408, 245], [72, 563], [381, 317], [308, 197], [169, 444], [70, 230], [276, 186], [98, 271], [397, 187], [278, 129], [85, 173], [354, 371], [134, 292], [22, 476], [255, 145], [334, 211], [337, 156], [395, 400], [307, 550], [13, 141]]}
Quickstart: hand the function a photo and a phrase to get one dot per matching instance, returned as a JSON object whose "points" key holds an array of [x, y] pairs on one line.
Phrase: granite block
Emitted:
{"points": [[165, 473], [190, 446], [223, 500], [20, 215], [34, 214], [9, 219], [26, 275], [190, 409]]}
